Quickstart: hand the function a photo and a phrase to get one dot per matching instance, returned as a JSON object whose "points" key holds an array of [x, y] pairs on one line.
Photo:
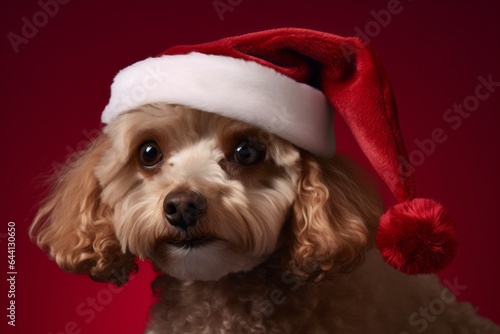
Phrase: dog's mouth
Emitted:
{"points": [[190, 243]]}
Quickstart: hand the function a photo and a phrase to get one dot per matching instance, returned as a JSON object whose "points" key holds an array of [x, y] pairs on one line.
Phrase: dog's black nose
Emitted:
{"points": [[183, 208]]}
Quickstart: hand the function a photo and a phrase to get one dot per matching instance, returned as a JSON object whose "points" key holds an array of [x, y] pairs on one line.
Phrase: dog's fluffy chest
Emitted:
{"points": [[373, 299], [262, 301]]}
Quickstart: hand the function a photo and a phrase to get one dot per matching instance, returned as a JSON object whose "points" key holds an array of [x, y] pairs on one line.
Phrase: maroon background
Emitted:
{"points": [[56, 86]]}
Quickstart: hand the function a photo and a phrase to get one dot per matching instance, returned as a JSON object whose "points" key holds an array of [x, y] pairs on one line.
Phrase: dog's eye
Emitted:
{"points": [[149, 154], [249, 153]]}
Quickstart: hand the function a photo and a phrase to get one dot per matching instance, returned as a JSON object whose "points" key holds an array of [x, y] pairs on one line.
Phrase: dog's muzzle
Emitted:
{"points": [[184, 208]]}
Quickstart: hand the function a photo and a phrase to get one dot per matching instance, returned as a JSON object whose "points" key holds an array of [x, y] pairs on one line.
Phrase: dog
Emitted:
{"points": [[249, 233]]}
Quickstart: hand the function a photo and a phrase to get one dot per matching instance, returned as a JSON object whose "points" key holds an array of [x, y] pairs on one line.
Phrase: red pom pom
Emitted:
{"points": [[417, 237]]}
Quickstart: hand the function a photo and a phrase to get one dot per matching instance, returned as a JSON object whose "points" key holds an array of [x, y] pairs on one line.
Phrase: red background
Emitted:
{"points": [[55, 87]]}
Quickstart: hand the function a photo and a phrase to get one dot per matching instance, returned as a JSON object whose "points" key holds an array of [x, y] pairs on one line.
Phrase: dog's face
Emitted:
{"points": [[199, 194], [202, 196]]}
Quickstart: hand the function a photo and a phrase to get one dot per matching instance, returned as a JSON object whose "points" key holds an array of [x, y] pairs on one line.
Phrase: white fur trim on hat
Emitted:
{"points": [[235, 88]]}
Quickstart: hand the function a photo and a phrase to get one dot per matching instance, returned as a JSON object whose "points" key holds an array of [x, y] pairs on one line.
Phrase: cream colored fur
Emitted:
{"points": [[290, 239]]}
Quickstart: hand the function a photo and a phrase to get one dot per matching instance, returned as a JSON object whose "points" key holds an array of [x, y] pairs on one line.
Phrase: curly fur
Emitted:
{"points": [[75, 228], [334, 214], [290, 240]]}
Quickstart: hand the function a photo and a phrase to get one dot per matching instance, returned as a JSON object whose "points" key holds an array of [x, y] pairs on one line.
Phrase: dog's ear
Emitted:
{"points": [[335, 215], [75, 227]]}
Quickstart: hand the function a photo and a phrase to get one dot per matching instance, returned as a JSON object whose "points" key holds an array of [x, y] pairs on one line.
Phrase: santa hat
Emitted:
{"points": [[289, 82]]}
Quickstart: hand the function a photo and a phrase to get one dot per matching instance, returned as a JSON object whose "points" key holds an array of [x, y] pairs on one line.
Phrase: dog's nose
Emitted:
{"points": [[183, 208]]}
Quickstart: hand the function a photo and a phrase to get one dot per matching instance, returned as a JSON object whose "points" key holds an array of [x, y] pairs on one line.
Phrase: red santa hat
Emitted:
{"points": [[289, 82]]}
